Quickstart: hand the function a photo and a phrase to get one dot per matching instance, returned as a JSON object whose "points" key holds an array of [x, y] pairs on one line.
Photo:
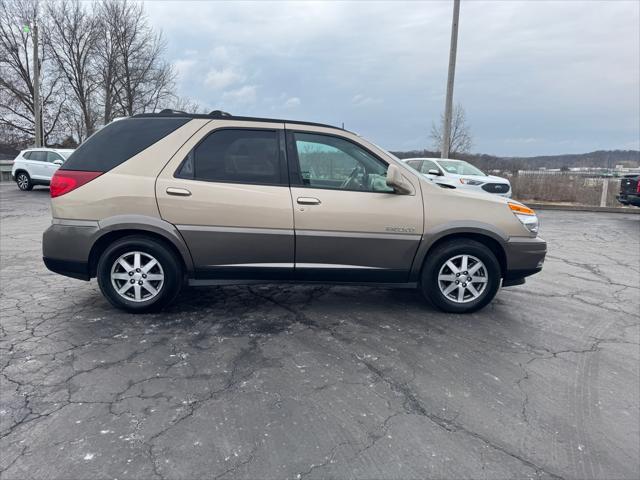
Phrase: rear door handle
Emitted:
{"points": [[308, 201], [179, 192]]}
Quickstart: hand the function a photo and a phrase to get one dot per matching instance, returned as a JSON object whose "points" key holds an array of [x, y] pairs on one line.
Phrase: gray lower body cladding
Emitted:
{"points": [[261, 254], [66, 246], [525, 257]]}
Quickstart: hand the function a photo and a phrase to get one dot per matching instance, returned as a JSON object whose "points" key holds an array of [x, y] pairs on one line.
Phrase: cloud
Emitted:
{"points": [[523, 140], [360, 100], [223, 78], [292, 102], [551, 71], [243, 95], [184, 66]]}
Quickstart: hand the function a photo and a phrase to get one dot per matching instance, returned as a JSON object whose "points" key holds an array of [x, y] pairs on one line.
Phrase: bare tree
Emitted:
{"points": [[461, 140], [72, 39], [17, 120], [135, 77], [110, 16], [184, 104], [100, 62]]}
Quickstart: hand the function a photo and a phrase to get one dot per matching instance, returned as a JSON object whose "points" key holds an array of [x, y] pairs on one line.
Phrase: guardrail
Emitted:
{"points": [[5, 170]]}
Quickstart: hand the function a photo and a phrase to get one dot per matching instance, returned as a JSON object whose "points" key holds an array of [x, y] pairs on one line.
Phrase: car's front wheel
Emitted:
{"points": [[23, 180], [461, 276], [139, 274]]}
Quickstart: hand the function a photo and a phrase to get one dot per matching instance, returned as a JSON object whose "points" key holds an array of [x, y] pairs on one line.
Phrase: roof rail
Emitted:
{"points": [[219, 114], [170, 110]]}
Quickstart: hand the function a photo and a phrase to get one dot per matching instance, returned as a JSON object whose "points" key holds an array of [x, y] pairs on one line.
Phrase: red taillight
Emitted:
{"points": [[638, 186], [64, 181]]}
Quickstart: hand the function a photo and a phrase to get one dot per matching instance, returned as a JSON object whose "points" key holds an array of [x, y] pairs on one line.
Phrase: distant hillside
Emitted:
{"points": [[603, 159]]}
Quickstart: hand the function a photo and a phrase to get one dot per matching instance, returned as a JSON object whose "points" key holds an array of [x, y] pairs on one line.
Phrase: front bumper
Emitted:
{"points": [[66, 246], [525, 257]]}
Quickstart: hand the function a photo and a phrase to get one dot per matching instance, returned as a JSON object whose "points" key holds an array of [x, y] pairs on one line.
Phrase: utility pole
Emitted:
{"points": [[448, 108], [37, 112]]}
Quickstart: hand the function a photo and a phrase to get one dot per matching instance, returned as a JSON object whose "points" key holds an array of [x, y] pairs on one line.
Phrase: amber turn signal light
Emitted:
{"points": [[521, 209]]}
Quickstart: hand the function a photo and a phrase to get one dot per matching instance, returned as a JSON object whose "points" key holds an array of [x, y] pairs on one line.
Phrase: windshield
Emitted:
{"points": [[66, 154], [459, 167]]}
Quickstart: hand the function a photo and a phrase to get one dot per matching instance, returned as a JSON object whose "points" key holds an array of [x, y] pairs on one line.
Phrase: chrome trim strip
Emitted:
{"points": [[291, 265], [255, 265], [255, 231], [335, 265], [386, 236]]}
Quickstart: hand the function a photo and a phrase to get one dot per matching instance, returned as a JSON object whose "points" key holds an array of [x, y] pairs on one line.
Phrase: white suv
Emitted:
{"points": [[36, 166], [460, 174]]}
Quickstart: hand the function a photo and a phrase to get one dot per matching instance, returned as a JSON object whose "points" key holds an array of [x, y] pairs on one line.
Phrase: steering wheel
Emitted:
{"points": [[352, 176]]}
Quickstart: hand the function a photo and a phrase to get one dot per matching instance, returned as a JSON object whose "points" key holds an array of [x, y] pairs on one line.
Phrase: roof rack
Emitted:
{"points": [[219, 114], [168, 112]]}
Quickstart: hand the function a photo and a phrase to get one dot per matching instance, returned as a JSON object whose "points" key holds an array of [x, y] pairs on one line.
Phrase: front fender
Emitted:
{"points": [[439, 232]]}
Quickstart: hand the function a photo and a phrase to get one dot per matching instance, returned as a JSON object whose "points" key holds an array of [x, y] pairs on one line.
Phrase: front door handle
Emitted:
{"points": [[308, 201], [180, 192]]}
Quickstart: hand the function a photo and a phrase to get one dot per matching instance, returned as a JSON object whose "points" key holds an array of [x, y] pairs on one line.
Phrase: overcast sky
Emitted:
{"points": [[535, 77]]}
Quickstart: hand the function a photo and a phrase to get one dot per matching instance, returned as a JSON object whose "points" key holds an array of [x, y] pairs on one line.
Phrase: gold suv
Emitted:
{"points": [[155, 201]]}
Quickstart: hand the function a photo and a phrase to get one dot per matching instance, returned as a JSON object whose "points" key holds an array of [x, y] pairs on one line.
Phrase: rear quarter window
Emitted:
{"points": [[119, 141]]}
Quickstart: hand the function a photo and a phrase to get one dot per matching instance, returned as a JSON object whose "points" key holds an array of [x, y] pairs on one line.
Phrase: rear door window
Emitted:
{"points": [[236, 156], [429, 165], [38, 156], [415, 164], [119, 141], [53, 156]]}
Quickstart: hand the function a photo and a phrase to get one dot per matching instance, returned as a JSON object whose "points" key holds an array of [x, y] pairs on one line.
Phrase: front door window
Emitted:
{"points": [[336, 163]]}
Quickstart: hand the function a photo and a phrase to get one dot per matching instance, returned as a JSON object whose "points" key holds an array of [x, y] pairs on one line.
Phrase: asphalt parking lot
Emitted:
{"points": [[274, 381]]}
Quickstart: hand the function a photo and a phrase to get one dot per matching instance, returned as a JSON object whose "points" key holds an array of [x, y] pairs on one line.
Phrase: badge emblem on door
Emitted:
{"points": [[400, 229]]}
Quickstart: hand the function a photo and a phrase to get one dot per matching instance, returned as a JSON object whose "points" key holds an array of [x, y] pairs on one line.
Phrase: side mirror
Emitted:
{"points": [[396, 181], [435, 172], [58, 162]]}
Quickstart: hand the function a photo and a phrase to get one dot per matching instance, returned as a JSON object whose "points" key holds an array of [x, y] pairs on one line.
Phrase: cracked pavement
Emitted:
{"points": [[282, 381]]}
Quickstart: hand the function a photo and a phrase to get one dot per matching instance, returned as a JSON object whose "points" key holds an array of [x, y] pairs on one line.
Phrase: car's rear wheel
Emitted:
{"points": [[23, 180], [461, 276], [139, 274]]}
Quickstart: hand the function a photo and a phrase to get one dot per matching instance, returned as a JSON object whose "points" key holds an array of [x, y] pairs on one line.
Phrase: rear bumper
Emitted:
{"points": [[66, 246], [68, 268], [525, 257], [629, 199]]}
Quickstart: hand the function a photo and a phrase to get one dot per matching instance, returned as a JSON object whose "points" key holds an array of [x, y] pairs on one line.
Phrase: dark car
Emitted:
{"points": [[630, 190]]}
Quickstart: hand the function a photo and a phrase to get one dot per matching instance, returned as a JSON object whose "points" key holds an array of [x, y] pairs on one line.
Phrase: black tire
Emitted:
{"points": [[171, 268], [23, 180], [438, 257]]}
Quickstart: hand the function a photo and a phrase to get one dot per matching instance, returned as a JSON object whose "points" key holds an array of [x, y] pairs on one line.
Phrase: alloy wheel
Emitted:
{"points": [[462, 278], [137, 276], [23, 181]]}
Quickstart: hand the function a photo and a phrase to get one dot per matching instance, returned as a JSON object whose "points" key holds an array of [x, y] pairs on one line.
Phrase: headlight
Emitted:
{"points": [[526, 216], [469, 181]]}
